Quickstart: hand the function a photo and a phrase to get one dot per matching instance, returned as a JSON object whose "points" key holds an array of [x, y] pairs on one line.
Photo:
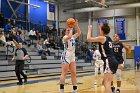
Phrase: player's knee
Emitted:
{"points": [[63, 75], [119, 75], [73, 73]]}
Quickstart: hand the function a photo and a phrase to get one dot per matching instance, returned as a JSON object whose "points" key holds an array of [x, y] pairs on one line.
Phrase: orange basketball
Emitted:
{"points": [[70, 22]]}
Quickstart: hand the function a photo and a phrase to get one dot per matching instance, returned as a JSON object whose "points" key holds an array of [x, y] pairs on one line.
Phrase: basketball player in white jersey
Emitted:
{"points": [[68, 57], [98, 64]]}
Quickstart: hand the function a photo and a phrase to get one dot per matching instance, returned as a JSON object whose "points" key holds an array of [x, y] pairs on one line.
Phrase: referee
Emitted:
{"points": [[20, 55]]}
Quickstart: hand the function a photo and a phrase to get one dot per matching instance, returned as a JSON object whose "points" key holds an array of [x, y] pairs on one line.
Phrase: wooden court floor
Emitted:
{"points": [[130, 84]]}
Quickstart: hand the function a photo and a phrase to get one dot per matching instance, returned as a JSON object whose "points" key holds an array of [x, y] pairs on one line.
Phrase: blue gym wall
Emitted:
{"points": [[37, 15], [21, 12]]}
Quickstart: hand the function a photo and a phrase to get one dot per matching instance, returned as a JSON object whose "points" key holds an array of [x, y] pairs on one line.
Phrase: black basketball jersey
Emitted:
{"points": [[117, 49], [106, 49]]}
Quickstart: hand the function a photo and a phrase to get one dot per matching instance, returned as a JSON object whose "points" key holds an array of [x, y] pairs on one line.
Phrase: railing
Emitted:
{"points": [[26, 24], [7, 51]]}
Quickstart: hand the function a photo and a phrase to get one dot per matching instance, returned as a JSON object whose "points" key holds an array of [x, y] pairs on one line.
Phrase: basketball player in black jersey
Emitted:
{"points": [[117, 49], [107, 55]]}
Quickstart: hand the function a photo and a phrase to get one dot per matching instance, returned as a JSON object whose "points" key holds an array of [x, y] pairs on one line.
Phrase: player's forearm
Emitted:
{"points": [[78, 30], [89, 35], [26, 56], [13, 57]]}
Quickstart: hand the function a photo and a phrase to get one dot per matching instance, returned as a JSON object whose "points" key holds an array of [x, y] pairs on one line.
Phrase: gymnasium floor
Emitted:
{"points": [[130, 84]]}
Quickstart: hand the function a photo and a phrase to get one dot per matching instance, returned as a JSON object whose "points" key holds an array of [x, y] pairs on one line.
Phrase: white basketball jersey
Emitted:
{"points": [[97, 55], [70, 44]]}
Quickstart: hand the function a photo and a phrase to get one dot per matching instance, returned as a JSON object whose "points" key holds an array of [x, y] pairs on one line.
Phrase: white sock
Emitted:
{"points": [[118, 87]]}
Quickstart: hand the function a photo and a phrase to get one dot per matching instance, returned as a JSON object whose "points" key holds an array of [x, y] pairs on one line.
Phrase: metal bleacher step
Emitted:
{"points": [[31, 72], [39, 57]]}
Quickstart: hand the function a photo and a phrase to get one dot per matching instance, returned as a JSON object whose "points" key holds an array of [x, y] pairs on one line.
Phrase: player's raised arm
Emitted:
{"points": [[68, 32], [94, 39], [78, 33], [100, 28], [127, 48]]}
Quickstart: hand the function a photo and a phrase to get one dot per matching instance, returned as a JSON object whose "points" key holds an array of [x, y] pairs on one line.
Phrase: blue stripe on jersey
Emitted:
{"points": [[66, 46], [63, 57]]}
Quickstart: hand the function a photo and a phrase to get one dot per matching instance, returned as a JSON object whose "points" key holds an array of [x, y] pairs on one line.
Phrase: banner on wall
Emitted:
{"points": [[137, 54], [120, 28], [103, 21], [50, 12]]}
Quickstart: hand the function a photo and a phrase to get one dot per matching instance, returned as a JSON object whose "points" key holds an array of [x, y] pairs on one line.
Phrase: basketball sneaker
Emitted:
{"points": [[118, 91], [113, 89], [95, 83]]}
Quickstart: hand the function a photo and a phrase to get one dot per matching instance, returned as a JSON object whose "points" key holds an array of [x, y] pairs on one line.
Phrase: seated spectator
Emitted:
{"points": [[38, 35], [3, 40], [53, 45], [22, 35], [18, 38], [32, 34], [7, 28], [41, 49], [46, 42]]}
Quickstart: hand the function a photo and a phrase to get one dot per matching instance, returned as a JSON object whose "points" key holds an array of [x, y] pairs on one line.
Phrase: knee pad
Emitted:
{"points": [[96, 71], [119, 75]]}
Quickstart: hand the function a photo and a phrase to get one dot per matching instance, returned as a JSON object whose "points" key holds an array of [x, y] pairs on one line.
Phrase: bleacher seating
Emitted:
{"points": [[37, 65]]}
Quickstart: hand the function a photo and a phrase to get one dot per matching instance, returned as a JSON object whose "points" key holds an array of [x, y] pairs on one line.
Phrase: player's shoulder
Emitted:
{"points": [[65, 36], [96, 51]]}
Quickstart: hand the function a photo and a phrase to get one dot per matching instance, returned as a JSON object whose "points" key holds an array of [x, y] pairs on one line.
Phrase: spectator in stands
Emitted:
{"points": [[32, 35], [7, 28], [18, 38], [46, 42], [3, 40], [38, 35], [48, 32], [22, 35], [20, 55], [41, 49], [89, 55], [53, 45], [10, 38], [54, 32], [84, 48]]}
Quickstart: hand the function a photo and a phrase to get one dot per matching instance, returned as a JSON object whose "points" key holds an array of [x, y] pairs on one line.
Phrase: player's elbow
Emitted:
{"points": [[79, 33]]}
